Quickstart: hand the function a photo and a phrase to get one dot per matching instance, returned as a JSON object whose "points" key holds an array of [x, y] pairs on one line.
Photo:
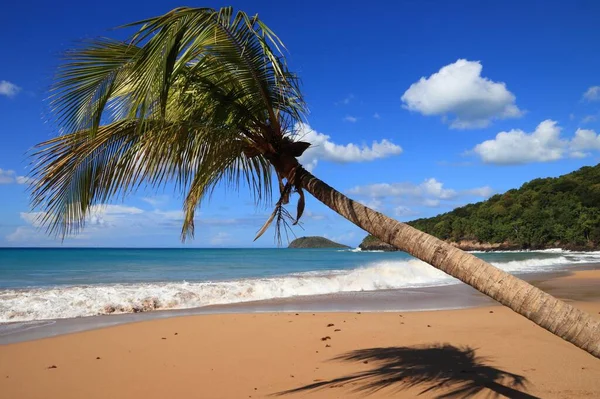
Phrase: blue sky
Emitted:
{"points": [[416, 107]]}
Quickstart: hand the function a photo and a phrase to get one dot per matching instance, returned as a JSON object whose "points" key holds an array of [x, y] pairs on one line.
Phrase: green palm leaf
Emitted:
{"points": [[185, 100]]}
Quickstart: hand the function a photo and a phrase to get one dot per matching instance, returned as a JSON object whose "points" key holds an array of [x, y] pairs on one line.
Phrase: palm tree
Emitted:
{"points": [[200, 96]]}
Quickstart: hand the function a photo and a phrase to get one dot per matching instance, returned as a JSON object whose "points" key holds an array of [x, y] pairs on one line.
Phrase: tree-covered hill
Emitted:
{"points": [[544, 213], [552, 212]]}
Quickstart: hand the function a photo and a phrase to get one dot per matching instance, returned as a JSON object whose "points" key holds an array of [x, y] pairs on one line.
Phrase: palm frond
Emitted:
{"points": [[182, 101]]}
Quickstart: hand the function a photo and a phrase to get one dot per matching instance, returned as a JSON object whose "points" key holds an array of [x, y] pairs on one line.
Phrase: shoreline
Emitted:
{"points": [[475, 352], [423, 299]]}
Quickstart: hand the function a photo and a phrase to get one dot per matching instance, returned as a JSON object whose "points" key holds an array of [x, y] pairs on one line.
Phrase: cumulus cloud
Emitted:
{"points": [[351, 119], [585, 140], [376, 115], [24, 180], [430, 187], [544, 144], [430, 193], [323, 148], [592, 94], [373, 203], [8, 89], [8, 176], [459, 91]]}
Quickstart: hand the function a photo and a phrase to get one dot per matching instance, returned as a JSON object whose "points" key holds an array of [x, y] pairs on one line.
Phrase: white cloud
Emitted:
{"points": [[430, 193], [373, 203], [376, 115], [322, 148], [430, 187], [7, 176], [544, 144], [588, 119], [458, 90], [170, 215], [592, 94], [8, 89], [585, 140], [25, 180], [350, 119]]}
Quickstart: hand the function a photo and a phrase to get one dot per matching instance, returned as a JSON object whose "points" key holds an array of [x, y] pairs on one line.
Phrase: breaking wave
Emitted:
{"points": [[78, 301]]}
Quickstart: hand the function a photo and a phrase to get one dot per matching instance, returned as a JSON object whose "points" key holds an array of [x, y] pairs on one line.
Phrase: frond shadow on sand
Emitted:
{"points": [[449, 371]]}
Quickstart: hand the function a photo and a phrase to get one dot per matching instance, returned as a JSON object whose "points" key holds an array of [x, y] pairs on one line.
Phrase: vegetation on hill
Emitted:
{"points": [[315, 242], [552, 212]]}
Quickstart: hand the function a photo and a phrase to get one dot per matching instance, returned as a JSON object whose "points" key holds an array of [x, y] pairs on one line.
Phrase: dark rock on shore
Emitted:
{"points": [[371, 243]]}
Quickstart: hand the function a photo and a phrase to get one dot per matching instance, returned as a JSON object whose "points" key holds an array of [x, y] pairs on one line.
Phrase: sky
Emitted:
{"points": [[416, 107]]}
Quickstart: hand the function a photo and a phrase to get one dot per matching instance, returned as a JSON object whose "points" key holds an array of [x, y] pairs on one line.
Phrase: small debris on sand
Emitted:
{"points": [[366, 362], [328, 346], [53, 367], [325, 338], [491, 311], [176, 334], [336, 330], [428, 325], [97, 357], [330, 325], [164, 338]]}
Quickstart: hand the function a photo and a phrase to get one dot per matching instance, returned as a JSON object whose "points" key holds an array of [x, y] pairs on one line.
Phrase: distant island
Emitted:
{"points": [[315, 242], [561, 212]]}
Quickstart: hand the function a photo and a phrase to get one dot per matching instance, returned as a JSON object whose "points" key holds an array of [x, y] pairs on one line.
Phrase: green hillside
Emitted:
{"points": [[552, 212]]}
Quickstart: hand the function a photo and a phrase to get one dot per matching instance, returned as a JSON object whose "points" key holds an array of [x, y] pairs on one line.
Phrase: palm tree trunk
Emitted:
{"points": [[556, 316]]}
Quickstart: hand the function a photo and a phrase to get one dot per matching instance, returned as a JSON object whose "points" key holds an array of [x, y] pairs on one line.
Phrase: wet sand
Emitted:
{"points": [[469, 352]]}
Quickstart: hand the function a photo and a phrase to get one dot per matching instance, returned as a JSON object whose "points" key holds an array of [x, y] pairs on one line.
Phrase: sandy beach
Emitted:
{"points": [[455, 353]]}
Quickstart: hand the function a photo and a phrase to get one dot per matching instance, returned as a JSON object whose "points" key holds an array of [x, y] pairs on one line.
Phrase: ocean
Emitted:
{"points": [[43, 283]]}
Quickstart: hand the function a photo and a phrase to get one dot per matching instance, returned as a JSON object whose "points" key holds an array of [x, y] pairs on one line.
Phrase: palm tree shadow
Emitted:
{"points": [[451, 371]]}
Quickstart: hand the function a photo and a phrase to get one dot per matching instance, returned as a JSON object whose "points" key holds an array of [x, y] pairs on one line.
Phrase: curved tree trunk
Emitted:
{"points": [[556, 316]]}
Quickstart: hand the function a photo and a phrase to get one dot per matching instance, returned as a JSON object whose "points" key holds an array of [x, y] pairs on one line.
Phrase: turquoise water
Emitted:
{"points": [[41, 283]]}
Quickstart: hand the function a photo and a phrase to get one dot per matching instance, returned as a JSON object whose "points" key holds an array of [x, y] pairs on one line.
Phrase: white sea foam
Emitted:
{"points": [[78, 301]]}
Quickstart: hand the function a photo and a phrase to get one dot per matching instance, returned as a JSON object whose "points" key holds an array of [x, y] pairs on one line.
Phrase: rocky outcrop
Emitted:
{"points": [[315, 242], [371, 243]]}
